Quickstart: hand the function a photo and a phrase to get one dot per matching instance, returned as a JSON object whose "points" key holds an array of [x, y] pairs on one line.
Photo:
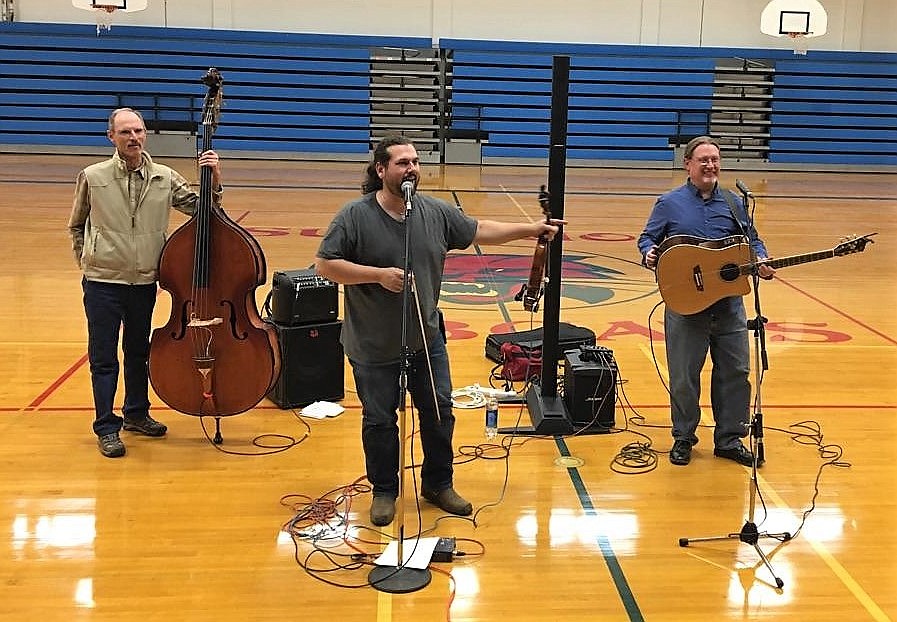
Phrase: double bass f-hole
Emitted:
{"points": [[531, 292]]}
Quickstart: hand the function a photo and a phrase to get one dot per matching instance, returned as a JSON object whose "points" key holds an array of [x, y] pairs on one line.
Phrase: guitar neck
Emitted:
{"points": [[794, 260]]}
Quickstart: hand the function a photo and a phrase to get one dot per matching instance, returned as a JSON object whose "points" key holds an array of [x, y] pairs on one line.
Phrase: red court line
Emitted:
{"points": [[848, 317], [57, 383], [40, 399]]}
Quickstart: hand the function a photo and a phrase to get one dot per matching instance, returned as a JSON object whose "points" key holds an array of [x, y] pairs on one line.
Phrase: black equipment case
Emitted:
{"points": [[569, 338]]}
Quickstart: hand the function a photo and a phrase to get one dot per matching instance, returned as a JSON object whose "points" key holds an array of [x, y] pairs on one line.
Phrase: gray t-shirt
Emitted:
{"points": [[363, 233]]}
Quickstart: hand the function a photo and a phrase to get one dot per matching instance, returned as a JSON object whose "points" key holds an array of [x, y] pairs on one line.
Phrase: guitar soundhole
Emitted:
{"points": [[729, 272]]}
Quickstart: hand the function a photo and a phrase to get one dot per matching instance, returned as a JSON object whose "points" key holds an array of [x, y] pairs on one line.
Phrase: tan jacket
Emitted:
{"points": [[114, 241]]}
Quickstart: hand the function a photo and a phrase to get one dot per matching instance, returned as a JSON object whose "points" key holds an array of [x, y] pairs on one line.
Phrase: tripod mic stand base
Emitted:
{"points": [[399, 579], [749, 535]]}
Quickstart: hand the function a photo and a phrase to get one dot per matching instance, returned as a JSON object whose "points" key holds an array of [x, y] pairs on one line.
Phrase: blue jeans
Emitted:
{"points": [[379, 393], [721, 329], [109, 306]]}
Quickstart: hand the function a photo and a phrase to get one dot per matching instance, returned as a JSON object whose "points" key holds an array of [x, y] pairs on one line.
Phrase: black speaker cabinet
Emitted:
{"points": [[311, 367], [590, 388]]}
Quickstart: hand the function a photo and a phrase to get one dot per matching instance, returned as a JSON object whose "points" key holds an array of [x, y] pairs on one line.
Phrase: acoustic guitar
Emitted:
{"points": [[693, 273]]}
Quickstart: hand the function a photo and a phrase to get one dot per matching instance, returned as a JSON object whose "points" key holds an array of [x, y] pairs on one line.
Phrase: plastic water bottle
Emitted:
{"points": [[491, 417]]}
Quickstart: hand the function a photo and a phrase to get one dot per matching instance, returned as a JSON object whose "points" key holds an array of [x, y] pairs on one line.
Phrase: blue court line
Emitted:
{"points": [[613, 564]]}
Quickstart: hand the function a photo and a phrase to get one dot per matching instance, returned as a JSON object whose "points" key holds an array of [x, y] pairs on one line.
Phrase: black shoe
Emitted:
{"points": [[147, 427], [383, 510], [739, 454], [111, 446], [680, 453], [448, 500]]}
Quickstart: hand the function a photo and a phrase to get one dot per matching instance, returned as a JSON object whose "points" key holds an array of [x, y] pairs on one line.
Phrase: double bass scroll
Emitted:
{"points": [[215, 356]]}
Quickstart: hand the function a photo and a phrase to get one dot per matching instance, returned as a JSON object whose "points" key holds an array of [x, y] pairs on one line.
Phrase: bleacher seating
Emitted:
{"points": [[306, 93], [281, 92], [618, 107], [849, 108], [634, 102]]}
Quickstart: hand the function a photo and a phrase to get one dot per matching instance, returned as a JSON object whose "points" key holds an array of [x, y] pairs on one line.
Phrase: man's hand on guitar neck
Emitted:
{"points": [[765, 271]]}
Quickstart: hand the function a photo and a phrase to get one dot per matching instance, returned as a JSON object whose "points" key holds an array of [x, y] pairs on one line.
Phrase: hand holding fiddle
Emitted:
{"points": [[550, 228]]}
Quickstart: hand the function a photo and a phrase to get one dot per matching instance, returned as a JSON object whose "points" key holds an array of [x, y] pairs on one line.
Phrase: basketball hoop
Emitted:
{"points": [[798, 20], [798, 42], [103, 10], [104, 16]]}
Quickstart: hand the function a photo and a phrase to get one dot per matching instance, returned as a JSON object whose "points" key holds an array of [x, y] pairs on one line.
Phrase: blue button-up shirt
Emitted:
{"points": [[683, 211]]}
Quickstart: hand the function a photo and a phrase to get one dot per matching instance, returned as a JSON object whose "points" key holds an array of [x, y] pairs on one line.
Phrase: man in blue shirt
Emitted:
{"points": [[702, 209]]}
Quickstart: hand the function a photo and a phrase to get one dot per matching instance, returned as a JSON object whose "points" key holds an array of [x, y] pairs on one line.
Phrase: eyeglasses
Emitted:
{"points": [[705, 161]]}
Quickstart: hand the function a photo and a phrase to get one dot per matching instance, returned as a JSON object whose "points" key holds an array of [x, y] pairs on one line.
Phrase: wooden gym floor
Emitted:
{"points": [[584, 527]]}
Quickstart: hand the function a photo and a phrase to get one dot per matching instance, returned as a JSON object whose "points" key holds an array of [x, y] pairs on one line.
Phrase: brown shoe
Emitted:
{"points": [[383, 510], [147, 426], [448, 500], [111, 446]]}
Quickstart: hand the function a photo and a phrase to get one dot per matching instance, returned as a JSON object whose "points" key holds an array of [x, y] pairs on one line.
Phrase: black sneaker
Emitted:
{"points": [[740, 454], [680, 454], [111, 446], [147, 427]]}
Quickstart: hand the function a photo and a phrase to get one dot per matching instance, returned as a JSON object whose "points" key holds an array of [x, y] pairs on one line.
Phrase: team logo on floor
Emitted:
{"points": [[587, 279]]}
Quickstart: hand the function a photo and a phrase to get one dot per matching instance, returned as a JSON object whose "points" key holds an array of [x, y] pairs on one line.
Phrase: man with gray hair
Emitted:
{"points": [[701, 208], [118, 225]]}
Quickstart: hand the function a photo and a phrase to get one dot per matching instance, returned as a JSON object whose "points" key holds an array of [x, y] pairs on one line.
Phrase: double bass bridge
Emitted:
{"points": [[196, 322]]}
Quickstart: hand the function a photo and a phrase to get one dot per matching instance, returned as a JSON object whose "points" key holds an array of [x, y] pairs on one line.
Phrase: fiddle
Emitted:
{"points": [[531, 292]]}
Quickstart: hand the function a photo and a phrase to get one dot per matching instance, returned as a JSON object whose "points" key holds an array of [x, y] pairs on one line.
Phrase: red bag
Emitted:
{"points": [[519, 365]]}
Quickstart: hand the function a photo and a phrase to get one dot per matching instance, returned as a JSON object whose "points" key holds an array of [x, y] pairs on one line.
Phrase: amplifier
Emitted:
{"points": [[303, 297], [590, 387], [312, 365]]}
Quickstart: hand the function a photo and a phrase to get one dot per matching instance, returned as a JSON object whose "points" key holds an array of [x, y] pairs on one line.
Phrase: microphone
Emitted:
{"points": [[741, 186], [408, 190]]}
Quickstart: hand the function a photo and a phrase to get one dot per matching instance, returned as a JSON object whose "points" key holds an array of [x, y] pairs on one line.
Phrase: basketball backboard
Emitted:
{"points": [[796, 19], [126, 6], [783, 17], [104, 9]]}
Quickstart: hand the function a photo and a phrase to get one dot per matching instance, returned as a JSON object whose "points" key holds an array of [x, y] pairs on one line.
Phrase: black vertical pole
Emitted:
{"points": [[547, 411], [557, 164]]}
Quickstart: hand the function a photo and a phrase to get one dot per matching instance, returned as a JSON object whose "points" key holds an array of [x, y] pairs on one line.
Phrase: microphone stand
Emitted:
{"points": [[749, 533], [401, 579]]}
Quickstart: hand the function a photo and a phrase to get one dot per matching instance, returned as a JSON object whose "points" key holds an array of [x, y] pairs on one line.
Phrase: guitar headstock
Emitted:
{"points": [[544, 201], [855, 244], [211, 107]]}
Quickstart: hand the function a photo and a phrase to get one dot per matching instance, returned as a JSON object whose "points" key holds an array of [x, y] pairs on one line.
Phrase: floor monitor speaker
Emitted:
{"points": [[590, 387], [312, 365]]}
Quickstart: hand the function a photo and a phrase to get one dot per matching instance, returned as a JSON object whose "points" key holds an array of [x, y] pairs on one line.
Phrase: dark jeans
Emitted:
{"points": [[379, 393], [109, 306], [721, 329]]}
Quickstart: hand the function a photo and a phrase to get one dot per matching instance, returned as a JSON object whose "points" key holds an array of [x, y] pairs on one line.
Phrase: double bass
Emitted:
{"points": [[215, 356]]}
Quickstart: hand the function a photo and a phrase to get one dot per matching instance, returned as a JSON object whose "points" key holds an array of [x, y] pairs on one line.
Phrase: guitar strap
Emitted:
{"points": [[745, 226]]}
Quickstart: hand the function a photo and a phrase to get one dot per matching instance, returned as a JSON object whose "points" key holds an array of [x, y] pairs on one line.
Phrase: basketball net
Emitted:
{"points": [[798, 42], [104, 17]]}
